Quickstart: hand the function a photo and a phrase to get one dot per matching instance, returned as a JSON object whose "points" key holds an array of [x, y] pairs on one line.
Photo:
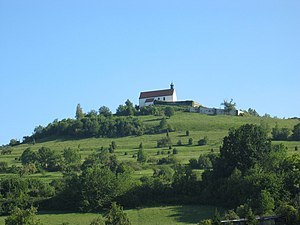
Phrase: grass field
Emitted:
{"points": [[199, 126], [161, 215]]}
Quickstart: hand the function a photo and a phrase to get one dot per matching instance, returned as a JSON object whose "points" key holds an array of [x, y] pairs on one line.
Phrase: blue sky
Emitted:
{"points": [[56, 54]]}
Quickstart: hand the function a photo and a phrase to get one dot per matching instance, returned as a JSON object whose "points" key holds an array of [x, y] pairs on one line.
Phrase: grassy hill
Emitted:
{"points": [[198, 125]]}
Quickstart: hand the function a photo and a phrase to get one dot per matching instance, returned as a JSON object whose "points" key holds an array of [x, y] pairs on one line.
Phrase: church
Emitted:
{"points": [[147, 98]]}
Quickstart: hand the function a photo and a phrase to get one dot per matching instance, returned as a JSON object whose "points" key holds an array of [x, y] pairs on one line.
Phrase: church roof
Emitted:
{"points": [[151, 94]]}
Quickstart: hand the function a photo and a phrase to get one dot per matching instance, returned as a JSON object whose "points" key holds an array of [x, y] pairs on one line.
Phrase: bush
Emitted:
{"points": [[164, 142], [175, 151], [190, 141], [203, 141]]}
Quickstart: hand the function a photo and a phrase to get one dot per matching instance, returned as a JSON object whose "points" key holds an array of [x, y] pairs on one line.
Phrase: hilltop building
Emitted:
{"points": [[147, 98]]}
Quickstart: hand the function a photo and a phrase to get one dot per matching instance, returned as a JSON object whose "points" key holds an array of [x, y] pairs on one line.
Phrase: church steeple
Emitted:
{"points": [[172, 86]]}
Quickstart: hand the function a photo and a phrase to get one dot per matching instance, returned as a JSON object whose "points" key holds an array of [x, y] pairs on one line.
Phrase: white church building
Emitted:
{"points": [[147, 98]]}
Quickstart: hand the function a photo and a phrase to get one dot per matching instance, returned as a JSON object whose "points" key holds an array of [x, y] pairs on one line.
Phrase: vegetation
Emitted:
{"points": [[130, 160]]}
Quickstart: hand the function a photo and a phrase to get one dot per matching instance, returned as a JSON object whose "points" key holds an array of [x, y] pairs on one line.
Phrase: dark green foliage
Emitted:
{"points": [[91, 126], [280, 134], [116, 216], [151, 110], [252, 112], [105, 111], [243, 148], [20, 192], [48, 159], [291, 214], [23, 217], [167, 160], [141, 156], [296, 132], [175, 151], [3, 167], [193, 163], [14, 142], [206, 161], [163, 125], [203, 141], [216, 220], [79, 112], [28, 156], [190, 141], [185, 181], [229, 106], [126, 110], [169, 111], [95, 188], [179, 143], [187, 133], [164, 142]]}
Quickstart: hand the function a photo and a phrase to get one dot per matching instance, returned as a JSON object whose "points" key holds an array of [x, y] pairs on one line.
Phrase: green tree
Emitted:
{"points": [[79, 112], [228, 105], [105, 111], [190, 141], [48, 159], [265, 203], [296, 132], [71, 156], [243, 148], [217, 218], [23, 217], [169, 111], [141, 156], [116, 216], [28, 156]]}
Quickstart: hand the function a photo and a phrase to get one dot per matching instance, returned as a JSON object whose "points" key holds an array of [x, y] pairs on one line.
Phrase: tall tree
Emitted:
{"points": [[243, 148], [116, 216], [79, 112], [229, 105]]}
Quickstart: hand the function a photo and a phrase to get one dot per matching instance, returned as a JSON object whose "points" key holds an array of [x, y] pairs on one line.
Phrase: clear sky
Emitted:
{"points": [[55, 54]]}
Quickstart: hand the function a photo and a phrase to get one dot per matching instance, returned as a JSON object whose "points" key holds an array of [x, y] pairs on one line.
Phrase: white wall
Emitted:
{"points": [[169, 98]]}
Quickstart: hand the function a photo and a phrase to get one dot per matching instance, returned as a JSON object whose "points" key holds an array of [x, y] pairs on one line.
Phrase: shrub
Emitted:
{"points": [[203, 141], [190, 141], [175, 151]]}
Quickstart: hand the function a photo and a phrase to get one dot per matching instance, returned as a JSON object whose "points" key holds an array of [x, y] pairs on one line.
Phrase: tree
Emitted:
{"points": [[71, 156], [242, 149], [116, 216], [79, 112], [190, 141], [229, 106], [23, 217], [28, 156], [266, 203], [217, 218], [252, 112], [296, 132], [141, 156], [203, 141], [105, 111], [48, 159], [169, 111]]}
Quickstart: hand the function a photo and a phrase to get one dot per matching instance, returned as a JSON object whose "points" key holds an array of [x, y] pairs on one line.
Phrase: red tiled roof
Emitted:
{"points": [[151, 94]]}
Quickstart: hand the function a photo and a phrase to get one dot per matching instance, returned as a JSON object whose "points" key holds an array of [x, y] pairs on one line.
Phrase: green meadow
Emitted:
{"points": [[161, 215]]}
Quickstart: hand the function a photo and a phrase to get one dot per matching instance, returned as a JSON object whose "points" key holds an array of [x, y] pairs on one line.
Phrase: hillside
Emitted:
{"points": [[199, 126], [149, 180]]}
